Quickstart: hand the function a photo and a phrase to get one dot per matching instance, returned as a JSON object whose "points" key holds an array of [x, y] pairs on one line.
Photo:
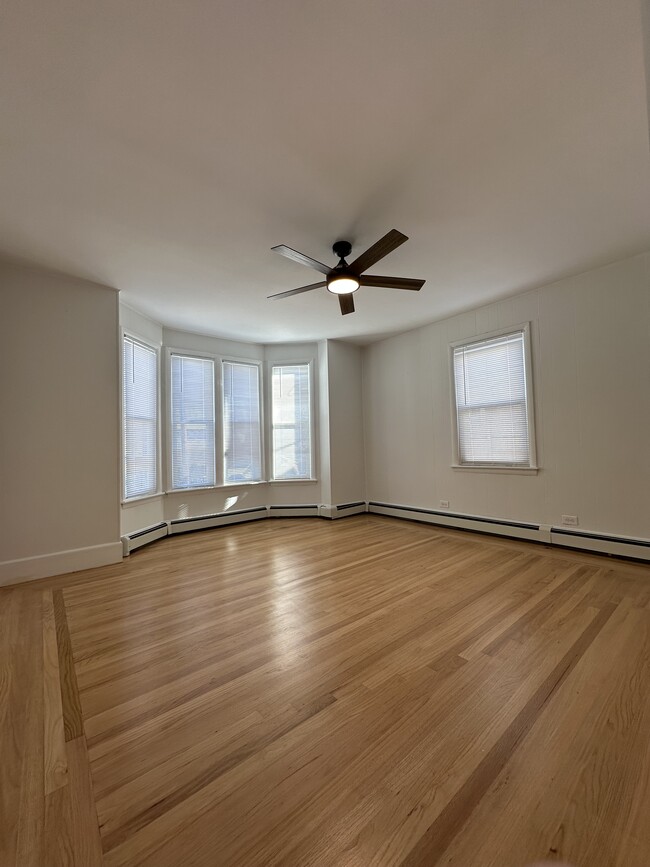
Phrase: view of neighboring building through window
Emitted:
{"points": [[242, 443], [491, 385], [291, 421], [192, 422], [139, 418]]}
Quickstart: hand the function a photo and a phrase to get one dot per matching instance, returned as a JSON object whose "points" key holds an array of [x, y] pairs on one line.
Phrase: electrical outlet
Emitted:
{"points": [[444, 504], [570, 520]]}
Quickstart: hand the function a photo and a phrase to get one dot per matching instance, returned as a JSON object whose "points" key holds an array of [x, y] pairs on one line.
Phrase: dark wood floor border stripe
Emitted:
{"points": [[436, 840], [72, 719]]}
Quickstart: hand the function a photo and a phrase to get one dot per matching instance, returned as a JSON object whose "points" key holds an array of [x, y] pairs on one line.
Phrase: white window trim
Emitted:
{"points": [[311, 481], [532, 467], [260, 372], [189, 353], [293, 362], [159, 492], [217, 359]]}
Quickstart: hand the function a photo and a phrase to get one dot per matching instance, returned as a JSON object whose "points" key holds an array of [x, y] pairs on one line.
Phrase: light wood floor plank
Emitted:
{"points": [[55, 760], [71, 833], [587, 751], [21, 729], [310, 693]]}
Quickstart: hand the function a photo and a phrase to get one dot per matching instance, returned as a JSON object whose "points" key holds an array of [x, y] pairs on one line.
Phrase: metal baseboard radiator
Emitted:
{"points": [[218, 519], [137, 539], [600, 543]]}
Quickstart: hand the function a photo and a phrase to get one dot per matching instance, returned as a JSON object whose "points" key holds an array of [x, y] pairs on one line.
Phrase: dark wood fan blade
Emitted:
{"points": [[283, 250], [383, 247], [391, 282], [298, 291], [346, 303]]}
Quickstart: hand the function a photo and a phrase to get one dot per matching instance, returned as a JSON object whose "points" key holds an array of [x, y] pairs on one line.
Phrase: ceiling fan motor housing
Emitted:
{"points": [[342, 249]]}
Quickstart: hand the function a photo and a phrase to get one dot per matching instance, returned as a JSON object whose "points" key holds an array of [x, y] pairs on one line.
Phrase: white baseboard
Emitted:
{"points": [[59, 562], [601, 543]]}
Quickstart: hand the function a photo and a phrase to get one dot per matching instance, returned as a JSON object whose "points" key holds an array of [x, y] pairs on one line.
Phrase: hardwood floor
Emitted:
{"points": [[300, 692]]}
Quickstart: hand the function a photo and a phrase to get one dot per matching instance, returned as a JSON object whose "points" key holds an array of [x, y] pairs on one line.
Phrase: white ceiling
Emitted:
{"points": [[163, 147]]}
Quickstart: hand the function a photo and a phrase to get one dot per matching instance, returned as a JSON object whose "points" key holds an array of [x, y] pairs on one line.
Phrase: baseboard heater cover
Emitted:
{"points": [[620, 546], [218, 519], [131, 541], [137, 539], [496, 526], [298, 510], [342, 510]]}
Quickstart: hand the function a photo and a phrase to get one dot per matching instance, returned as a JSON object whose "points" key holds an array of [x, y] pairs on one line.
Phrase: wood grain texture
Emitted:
{"points": [[55, 766], [21, 729], [360, 692], [72, 718], [71, 832]]}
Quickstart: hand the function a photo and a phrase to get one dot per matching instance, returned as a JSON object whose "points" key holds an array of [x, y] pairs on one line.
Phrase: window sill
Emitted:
{"points": [[292, 481], [231, 485], [518, 471], [214, 487], [135, 501]]}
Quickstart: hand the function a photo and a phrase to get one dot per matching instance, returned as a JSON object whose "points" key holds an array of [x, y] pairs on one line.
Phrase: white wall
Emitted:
{"points": [[345, 417], [323, 411], [645, 24], [591, 369], [59, 453]]}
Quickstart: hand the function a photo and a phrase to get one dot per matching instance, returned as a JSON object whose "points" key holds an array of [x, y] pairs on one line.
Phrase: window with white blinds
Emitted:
{"points": [[139, 418], [192, 422], [492, 389], [291, 421], [242, 441]]}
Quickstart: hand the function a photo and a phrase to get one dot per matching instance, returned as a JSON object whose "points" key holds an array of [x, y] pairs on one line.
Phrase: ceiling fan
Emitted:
{"points": [[344, 279]]}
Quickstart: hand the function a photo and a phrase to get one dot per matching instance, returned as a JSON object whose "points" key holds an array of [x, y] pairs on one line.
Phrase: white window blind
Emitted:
{"points": [[139, 418], [291, 411], [192, 422], [492, 402], [242, 445]]}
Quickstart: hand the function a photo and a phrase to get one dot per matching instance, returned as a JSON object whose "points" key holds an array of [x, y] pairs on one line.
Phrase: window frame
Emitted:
{"points": [[127, 334], [259, 364], [291, 362], [532, 467], [189, 353], [219, 476]]}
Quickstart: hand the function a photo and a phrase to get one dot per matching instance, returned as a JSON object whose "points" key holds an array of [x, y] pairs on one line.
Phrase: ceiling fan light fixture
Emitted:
{"points": [[343, 279], [343, 285]]}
